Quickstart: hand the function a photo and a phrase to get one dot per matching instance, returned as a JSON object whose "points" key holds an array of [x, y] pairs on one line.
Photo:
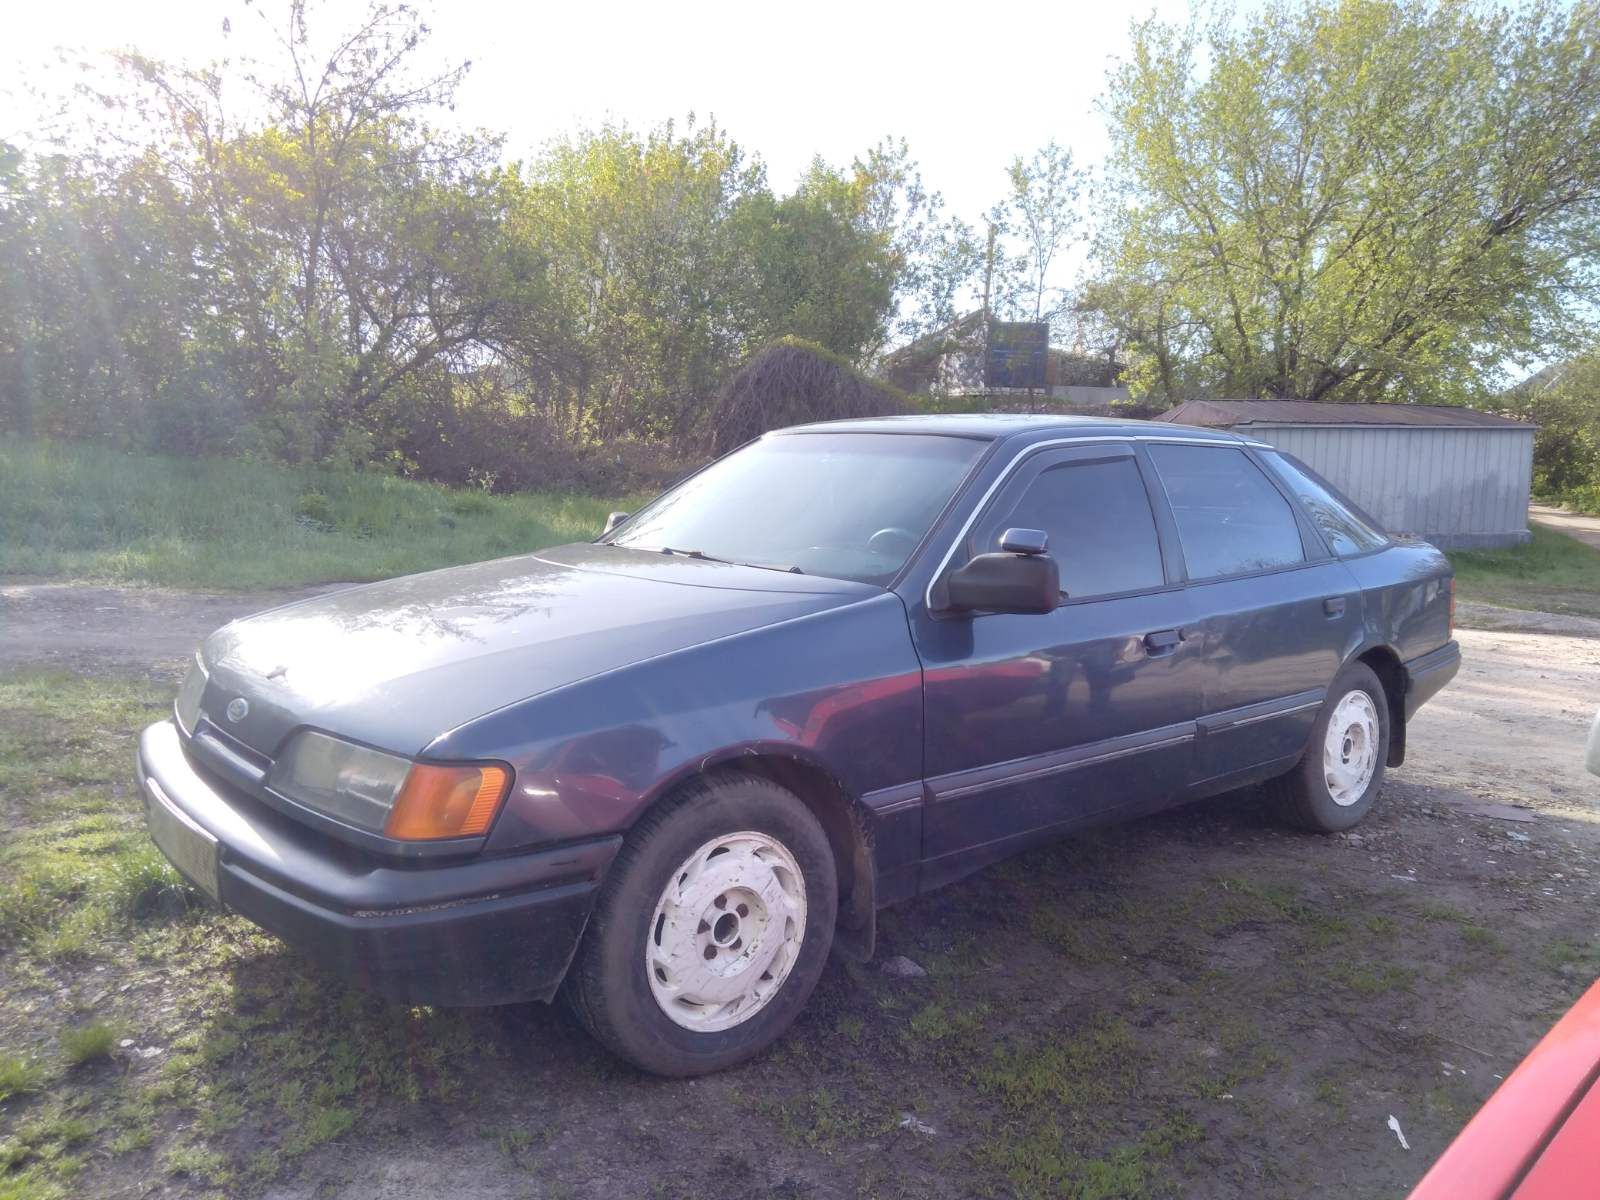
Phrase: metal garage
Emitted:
{"points": [[1457, 477]]}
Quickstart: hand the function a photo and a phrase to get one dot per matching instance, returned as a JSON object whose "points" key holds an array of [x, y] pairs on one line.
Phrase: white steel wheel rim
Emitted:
{"points": [[1350, 748], [726, 931]]}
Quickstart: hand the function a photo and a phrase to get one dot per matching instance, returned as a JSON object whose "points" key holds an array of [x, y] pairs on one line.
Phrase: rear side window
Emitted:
{"points": [[1097, 515], [1231, 519], [1347, 531]]}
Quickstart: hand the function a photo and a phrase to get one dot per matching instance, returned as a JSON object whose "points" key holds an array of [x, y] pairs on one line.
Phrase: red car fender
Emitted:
{"points": [[1538, 1136]]}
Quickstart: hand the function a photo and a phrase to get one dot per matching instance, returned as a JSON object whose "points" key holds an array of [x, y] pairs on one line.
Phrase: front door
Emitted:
{"points": [[1039, 723]]}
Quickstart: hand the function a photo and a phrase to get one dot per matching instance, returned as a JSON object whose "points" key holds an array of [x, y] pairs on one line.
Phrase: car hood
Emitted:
{"points": [[397, 664]]}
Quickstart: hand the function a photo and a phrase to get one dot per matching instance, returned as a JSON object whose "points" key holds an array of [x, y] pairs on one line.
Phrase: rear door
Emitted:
{"points": [[1273, 614], [1036, 723]]}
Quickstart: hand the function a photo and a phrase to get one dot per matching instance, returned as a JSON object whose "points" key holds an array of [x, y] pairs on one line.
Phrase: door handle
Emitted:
{"points": [[1162, 641], [1333, 606]]}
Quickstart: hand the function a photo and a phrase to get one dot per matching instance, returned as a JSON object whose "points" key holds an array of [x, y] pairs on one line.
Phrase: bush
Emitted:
{"points": [[791, 382], [314, 509]]}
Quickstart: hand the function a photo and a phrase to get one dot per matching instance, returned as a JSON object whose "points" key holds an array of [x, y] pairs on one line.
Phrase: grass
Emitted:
{"points": [[236, 1035], [19, 1075], [88, 513], [1551, 573], [88, 1043]]}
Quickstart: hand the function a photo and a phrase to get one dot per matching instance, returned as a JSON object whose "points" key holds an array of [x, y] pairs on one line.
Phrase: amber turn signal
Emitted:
{"points": [[447, 802]]}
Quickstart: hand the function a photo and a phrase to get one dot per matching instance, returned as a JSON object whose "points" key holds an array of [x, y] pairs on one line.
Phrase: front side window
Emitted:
{"points": [[843, 505], [1097, 515], [1231, 519], [1345, 528]]}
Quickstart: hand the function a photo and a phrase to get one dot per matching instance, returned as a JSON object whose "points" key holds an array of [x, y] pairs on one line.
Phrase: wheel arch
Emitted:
{"points": [[841, 815], [1391, 673]]}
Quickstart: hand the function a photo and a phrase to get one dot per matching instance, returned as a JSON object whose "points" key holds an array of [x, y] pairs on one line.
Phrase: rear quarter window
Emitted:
{"points": [[1345, 528]]}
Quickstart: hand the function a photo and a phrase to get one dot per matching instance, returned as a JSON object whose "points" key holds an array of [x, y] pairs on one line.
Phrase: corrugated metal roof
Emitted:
{"points": [[1227, 414]]}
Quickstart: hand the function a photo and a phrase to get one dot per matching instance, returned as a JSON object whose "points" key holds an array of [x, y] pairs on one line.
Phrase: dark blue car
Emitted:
{"points": [[666, 772]]}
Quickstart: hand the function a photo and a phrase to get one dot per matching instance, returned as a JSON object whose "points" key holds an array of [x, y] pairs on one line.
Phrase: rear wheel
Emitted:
{"points": [[1336, 784], [711, 929]]}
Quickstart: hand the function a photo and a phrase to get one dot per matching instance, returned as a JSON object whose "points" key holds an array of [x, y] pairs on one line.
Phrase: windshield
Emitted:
{"points": [[845, 505]]}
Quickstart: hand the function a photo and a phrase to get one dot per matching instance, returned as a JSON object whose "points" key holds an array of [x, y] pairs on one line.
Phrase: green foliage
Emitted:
{"points": [[1040, 209], [1550, 573], [1564, 401], [340, 281], [1352, 201], [92, 513], [19, 1075]]}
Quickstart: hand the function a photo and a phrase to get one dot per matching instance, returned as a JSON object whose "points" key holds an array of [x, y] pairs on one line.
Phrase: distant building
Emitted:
{"points": [[998, 364], [1458, 477]]}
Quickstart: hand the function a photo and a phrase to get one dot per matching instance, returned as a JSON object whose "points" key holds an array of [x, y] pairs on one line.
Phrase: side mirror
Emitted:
{"points": [[615, 519], [1020, 578]]}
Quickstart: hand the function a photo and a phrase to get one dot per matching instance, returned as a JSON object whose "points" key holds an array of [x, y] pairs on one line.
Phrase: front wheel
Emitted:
{"points": [[710, 930], [1336, 784]]}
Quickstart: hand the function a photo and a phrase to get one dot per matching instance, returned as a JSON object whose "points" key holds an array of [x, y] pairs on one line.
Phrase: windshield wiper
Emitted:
{"points": [[704, 557], [700, 554]]}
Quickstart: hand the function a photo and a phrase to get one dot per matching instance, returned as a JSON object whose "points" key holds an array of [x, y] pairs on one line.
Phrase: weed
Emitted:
{"points": [[87, 1043], [198, 1163], [19, 1075], [1563, 954], [1095, 1066], [1073, 937], [819, 1119], [1371, 979]]}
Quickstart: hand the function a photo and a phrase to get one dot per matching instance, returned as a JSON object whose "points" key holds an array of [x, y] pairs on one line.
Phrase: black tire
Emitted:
{"points": [[608, 987], [1302, 794]]}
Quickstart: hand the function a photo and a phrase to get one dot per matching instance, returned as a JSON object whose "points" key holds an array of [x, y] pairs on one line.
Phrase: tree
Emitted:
{"points": [[1352, 200], [638, 233], [1564, 401], [353, 245], [1041, 211]]}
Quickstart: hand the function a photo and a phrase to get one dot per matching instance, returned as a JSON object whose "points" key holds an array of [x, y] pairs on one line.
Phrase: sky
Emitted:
{"points": [[969, 86]]}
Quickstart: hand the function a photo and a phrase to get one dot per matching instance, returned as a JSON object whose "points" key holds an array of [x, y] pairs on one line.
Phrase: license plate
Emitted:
{"points": [[188, 847]]}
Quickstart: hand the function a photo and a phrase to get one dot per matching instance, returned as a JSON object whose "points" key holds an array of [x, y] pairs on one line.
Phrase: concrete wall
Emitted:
{"points": [[1458, 488]]}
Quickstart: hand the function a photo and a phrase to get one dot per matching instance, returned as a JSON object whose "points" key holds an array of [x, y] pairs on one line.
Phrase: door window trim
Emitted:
{"points": [[1314, 552], [1130, 439], [1119, 449]]}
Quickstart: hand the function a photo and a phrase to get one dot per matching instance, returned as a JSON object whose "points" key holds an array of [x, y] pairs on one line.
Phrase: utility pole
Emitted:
{"points": [[988, 282]]}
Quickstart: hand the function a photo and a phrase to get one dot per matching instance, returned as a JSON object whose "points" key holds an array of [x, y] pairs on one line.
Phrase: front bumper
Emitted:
{"points": [[493, 930], [1428, 673]]}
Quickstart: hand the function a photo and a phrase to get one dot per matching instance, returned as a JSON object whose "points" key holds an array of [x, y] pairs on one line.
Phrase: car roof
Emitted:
{"points": [[1005, 426]]}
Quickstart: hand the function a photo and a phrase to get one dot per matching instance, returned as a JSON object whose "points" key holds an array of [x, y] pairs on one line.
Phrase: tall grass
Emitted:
{"points": [[84, 512]]}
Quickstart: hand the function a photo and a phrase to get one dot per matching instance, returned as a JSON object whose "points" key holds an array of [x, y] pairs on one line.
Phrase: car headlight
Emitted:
{"points": [[387, 794], [187, 706]]}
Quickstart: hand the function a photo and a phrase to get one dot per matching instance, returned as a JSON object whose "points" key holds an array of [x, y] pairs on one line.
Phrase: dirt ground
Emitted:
{"points": [[78, 627], [1585, 529], [1200, 1003]]}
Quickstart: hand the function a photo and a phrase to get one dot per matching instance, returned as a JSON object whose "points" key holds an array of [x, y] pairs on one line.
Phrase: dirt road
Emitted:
{"points": [[1585, 529], [83, 628]]}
